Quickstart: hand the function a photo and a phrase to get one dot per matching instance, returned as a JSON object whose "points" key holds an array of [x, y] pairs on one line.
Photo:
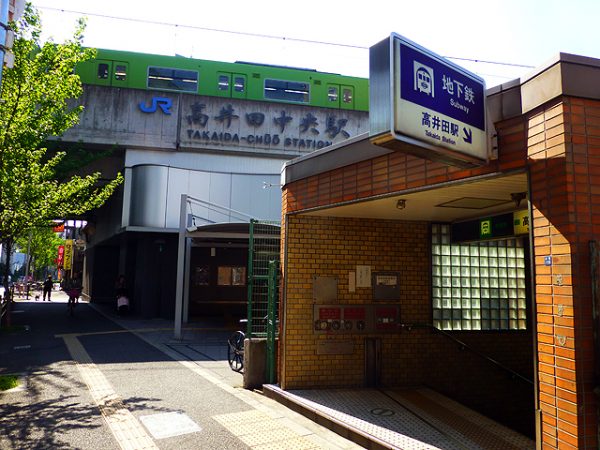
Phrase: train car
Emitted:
{"points": [[221, 79]]}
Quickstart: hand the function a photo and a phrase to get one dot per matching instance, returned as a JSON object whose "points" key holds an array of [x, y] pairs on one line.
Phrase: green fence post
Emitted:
{"points": [[271, 321], [250, 278]]}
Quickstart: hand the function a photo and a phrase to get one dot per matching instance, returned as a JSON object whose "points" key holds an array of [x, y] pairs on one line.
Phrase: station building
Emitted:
{"points": [[479, 282], [387, 279], [224, 153]]}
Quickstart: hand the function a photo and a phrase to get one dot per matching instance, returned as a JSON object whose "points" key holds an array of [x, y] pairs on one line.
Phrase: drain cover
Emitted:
{"points": [[382, 412], [171, 424]]}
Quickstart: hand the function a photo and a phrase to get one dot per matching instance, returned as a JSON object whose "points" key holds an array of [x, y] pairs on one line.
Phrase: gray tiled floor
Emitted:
{"points": [[408, 419]]}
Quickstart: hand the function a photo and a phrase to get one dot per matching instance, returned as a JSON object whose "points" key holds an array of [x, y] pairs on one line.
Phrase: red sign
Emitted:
{"points": [[355, 313], [61, 254], [59, 228], [330, 313]]}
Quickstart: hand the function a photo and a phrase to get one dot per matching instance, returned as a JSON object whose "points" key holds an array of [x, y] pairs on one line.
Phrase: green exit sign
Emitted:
{"points": [[485, 229]]}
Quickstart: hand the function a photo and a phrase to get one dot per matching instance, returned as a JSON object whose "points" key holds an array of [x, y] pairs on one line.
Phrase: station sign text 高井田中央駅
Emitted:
{"points": [[436, 108]]}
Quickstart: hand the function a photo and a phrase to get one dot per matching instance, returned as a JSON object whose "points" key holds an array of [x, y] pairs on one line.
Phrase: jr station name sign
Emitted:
{"points": [[425, 105]]}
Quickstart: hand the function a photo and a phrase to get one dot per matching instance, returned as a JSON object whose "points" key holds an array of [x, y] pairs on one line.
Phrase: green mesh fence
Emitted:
{"points": [[263, 248]]}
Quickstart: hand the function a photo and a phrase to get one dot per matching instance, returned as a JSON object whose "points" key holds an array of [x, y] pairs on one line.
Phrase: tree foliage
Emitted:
{"points": [[42, 244], [38, 104]]}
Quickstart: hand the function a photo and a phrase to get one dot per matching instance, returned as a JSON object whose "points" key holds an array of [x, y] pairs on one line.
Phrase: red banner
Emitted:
{"points": [[61, 254], [59, 228]]}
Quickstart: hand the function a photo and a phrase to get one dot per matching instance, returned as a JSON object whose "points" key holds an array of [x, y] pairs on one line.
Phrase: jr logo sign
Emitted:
{"points": [[163, 103]]}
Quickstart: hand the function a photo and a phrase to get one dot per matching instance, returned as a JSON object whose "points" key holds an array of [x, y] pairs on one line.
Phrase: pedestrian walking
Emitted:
{"points": [[48, 284]]}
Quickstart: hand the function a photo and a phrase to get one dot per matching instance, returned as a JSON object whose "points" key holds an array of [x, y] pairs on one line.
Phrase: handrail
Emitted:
{"points": [[214, 207], [466, 346]]}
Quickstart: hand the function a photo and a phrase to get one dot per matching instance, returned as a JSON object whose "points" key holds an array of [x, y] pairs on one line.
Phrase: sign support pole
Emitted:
{"points": [[180, 267]]}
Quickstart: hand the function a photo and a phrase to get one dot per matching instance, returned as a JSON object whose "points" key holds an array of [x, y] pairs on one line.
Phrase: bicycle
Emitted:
{"points": [[73, 300], [235, 350]]}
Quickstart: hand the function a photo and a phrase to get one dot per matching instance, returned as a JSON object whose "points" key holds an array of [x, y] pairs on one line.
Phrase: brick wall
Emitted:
{"points": [[564, 157], [328, 246], [559, 143], [333, 247]]}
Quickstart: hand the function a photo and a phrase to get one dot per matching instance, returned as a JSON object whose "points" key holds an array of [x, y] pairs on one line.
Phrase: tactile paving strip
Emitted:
{"points": [[127, 430], [259, 431]]}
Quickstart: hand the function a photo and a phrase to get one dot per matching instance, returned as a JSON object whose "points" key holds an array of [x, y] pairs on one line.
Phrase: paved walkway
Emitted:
{"points": [[99, 386], [402, 419], [392, 419]]}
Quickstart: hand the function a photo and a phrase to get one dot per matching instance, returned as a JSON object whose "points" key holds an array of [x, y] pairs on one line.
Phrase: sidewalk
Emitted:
{"points": [[377, 419], [92, 384]]}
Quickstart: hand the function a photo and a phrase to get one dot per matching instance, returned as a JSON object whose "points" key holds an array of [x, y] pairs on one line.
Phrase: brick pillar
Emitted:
{"points": [[564, 162]]}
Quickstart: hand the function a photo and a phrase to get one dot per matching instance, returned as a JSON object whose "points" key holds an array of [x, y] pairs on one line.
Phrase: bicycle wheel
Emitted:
{"points": [[235, 351]]}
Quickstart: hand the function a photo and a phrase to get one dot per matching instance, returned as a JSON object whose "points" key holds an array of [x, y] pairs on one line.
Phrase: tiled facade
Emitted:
{"points": [[556, 140], [328, 246], [564, 159], [333, 247]]}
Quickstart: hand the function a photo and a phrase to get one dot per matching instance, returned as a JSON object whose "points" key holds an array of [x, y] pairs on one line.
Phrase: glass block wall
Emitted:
{"points": [[478, 286]]}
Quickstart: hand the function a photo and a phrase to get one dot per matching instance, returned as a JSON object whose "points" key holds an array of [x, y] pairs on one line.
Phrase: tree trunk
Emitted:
{"points": [[8, 245]]}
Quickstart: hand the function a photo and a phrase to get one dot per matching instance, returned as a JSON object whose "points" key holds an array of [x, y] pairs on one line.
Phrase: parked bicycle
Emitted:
{"points": [[235, 349]]}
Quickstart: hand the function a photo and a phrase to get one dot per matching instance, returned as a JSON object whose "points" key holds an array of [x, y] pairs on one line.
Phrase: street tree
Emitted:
{"points": [[38, 103], [41, 244]]}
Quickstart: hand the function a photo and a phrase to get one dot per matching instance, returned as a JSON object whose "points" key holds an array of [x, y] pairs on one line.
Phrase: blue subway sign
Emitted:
{"points": [[436, 108]]}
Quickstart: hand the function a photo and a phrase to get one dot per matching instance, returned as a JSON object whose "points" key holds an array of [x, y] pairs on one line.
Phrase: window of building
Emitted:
{"points": [[120, 72], [172, 79], [103, 71], [478, 286], [291, 91]]}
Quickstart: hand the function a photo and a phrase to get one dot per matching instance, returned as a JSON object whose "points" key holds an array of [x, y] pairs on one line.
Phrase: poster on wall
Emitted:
{"points": [[202, 275], [238, 276], [224, 276], [231, 276], [363, 276]]}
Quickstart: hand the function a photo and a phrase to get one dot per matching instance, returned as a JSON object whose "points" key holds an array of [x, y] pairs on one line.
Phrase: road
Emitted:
{"points": [[93, 384]]}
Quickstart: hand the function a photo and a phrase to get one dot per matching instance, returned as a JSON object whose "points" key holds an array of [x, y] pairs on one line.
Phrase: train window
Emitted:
{"points": [[223, 83], [103, 71], [332, 94], [172, 79], [239, 84], [291, 91], [120, 72], [347, 95]]}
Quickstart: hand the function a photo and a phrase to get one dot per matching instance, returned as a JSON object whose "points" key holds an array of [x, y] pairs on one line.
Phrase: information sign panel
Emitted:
{"points": [[437, 107]]}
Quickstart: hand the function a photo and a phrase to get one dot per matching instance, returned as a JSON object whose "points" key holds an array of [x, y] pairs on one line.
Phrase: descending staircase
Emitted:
{"points": [[418, 418]]}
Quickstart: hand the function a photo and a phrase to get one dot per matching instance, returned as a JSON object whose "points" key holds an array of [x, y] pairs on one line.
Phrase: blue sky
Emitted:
{"points": [[520, 32]]}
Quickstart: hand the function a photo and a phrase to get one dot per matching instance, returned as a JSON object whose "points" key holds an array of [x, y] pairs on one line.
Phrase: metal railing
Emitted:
{"points": [[464, 346]]}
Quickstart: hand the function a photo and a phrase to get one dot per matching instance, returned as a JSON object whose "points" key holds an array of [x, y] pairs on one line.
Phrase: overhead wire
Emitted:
{"points": [[259, 35]]}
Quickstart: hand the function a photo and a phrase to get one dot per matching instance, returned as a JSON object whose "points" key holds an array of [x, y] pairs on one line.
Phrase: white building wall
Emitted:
{"points": [[228, 183]]}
